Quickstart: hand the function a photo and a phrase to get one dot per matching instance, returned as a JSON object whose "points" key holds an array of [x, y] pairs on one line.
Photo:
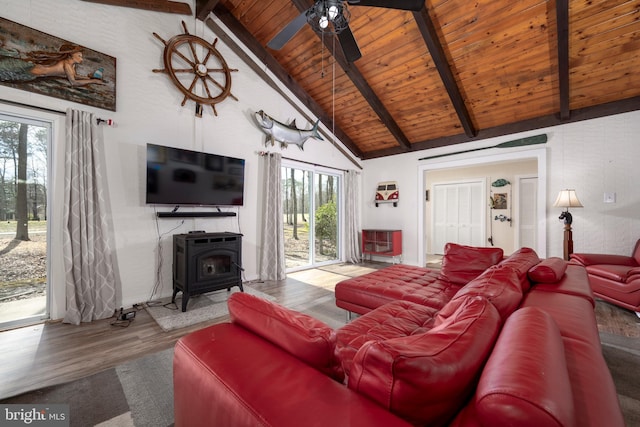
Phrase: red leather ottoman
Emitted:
{"points": [[398, 282]]}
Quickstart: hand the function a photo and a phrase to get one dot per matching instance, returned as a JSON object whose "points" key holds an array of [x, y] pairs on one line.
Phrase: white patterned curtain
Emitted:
{"points": [[352, 220], [272, 260], [90, 280]]}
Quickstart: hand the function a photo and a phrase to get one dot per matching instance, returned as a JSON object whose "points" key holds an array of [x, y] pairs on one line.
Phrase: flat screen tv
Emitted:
{"points": [[184, 177]]}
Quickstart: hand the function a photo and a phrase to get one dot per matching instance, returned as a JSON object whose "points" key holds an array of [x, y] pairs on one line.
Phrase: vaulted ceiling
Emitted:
{"points": [[455, 71]]}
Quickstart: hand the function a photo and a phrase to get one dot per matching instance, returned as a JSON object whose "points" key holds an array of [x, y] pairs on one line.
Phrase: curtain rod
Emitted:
{"points": [[99, 121], [33, 107], [264, 153]]}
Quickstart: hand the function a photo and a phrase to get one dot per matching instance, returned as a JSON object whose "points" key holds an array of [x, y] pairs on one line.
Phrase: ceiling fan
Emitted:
{"points": [[332, 17]]}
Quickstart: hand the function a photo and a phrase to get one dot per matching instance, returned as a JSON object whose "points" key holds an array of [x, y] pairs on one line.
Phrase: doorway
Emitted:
{"points": [[311, 201], [24, 220], [538, 155]]}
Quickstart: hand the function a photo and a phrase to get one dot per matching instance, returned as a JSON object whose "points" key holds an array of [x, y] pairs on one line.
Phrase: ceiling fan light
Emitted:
{"points": [[333, 12], [325, 12]]}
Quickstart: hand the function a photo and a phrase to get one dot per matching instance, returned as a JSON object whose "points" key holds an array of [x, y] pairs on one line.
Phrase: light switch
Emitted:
{"points": [[609, 197]]}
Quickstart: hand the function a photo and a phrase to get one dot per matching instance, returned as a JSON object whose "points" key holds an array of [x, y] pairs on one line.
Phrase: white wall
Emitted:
{"points": [[149, 111], [593, 157]]}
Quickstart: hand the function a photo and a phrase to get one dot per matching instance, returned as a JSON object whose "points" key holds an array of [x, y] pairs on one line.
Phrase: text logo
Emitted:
{"points": [[55, 415]]}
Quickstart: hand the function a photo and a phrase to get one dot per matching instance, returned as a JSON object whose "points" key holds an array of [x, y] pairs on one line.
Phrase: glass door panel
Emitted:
{"points": [[326, 218], [23, 220], [296, 205], [310, 205]]}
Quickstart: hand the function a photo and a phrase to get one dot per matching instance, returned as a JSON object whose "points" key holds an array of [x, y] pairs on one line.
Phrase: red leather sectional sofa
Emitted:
{"points": [[516, 344]]}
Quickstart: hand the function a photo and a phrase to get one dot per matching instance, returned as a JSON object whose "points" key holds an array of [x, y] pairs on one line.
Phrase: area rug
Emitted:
{"points": [[136, 393], [200, 308]]}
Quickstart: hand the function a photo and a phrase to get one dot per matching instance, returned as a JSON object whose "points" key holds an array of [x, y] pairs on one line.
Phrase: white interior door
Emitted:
{"points": [[458, 214], [527, 212]]}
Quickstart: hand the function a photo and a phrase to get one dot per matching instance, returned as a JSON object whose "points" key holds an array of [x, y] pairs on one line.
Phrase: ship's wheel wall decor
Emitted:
{"points": [[197, 69]]}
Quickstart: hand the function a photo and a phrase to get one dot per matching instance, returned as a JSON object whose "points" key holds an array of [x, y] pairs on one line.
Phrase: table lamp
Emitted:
{"points": [[567, 199]]}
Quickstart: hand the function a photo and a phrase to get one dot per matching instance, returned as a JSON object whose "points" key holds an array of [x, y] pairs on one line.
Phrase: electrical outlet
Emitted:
{"points": [[609, 197]]}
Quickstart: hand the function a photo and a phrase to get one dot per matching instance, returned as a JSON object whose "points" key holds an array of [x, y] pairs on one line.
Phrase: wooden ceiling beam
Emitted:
{"points": [[589, 113], [154, 5], [562, 24], [270, 62], [361, 84], [430, 36], [204, 8]]}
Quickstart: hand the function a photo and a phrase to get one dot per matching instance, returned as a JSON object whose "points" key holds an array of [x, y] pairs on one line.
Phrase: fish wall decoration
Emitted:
{"points": [[283, 133], [500, 182]]}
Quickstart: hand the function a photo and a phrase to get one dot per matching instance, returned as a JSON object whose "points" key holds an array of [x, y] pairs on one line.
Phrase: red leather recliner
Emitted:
{"points": [[614, 278]]}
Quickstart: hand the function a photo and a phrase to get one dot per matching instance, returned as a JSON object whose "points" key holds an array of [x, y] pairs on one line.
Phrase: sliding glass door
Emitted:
{"points": [[296, 206], [326, 218], [311, 206], [24, 185]]}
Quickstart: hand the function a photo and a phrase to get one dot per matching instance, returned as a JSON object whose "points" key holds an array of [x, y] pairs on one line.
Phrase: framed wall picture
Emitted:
{"points": [[500, 200], [41, 63]]}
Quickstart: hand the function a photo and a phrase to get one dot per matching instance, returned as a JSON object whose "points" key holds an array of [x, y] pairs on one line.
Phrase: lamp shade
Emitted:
{"points": [[567, 199]]}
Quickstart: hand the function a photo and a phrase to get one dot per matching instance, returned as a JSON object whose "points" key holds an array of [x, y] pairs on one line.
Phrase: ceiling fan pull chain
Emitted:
{"points": [[333, 95], [322, 57]]}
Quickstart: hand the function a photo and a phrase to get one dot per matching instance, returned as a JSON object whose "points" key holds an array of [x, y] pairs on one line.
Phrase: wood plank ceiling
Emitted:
{"points": [[456, 71]]}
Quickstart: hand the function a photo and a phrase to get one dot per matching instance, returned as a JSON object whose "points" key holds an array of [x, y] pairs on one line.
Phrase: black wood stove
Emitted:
{"points": [[206, 262]]}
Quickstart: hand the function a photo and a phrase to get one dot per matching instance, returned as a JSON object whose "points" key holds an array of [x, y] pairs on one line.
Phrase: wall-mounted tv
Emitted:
{"points": [[184, 177]]}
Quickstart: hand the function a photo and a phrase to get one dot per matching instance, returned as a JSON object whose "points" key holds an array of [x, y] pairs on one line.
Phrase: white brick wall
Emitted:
{"points": [[595, 157]]}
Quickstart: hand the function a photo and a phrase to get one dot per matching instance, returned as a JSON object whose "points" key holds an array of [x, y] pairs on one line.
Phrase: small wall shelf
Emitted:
{"points": [[193, 214]]}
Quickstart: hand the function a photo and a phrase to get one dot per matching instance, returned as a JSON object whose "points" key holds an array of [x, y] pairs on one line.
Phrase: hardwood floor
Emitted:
{"points": [[52, 353]]}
